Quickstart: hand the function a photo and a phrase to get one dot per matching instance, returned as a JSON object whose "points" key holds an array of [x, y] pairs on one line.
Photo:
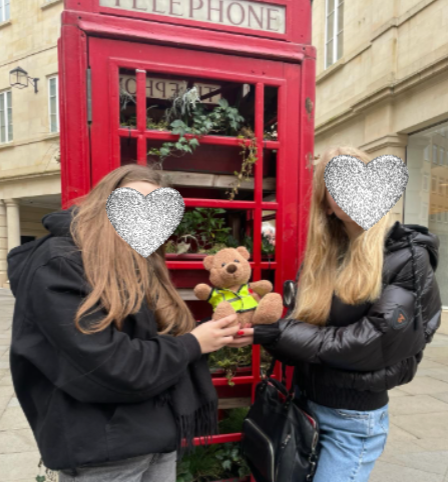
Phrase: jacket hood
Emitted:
{"points": [[399, 234], [58, 224]]}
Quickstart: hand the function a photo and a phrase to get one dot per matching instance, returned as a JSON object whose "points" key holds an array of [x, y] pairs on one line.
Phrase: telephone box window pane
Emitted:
{"points": [[128, 150], [208, 172], [268, 235], [182, 104], [128, 98], [207, 230]]}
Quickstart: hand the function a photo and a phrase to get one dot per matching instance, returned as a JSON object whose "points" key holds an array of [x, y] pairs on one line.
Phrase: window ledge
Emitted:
{"points": [[331, 70], [6, 145], [6, 23], [50, 3]]}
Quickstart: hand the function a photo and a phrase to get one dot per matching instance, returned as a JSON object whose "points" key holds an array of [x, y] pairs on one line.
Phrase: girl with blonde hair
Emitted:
{"points": [[367, 303], [106, 358]]}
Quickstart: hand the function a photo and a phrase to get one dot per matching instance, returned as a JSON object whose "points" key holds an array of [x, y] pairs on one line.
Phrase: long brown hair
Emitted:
{"points": [[120, 278], [352, 269]]}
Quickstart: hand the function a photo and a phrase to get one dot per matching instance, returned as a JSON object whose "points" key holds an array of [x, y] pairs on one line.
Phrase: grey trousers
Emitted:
{"points": [[149, 468]]}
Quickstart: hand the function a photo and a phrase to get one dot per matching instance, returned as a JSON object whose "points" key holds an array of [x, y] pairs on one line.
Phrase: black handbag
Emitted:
{"points": [[279, 436]]}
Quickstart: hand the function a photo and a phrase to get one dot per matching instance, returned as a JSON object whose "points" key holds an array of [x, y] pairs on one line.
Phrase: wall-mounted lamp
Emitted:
{"points": [[19, 78]]}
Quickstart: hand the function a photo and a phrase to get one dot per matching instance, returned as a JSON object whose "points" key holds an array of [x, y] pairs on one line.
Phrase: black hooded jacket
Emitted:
{"points": [[365, 350], [94, 398]]}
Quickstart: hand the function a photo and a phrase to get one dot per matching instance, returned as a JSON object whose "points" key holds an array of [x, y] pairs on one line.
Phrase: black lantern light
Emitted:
{"points": [[19, 78]]}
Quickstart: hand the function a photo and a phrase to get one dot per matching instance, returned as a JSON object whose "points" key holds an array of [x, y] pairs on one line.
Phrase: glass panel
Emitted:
{"points": [[330, 6], [269, 175], [340, 17], [52, 87], [128, 150], [209, 171], [204, 231], [128, 98], [330, 27], [7, 13], [2, 118], [268, 232], [2, 18], [9, 114], [340, 45], [329, 53], [419, 200]]}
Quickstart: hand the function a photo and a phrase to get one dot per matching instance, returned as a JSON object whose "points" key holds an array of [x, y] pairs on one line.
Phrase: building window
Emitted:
{"points": [[53, 105], [434, 154], [4, 10], [5, 117], [425, 180], [434, 184], [334, 31], [426, 200], [426, 153]]}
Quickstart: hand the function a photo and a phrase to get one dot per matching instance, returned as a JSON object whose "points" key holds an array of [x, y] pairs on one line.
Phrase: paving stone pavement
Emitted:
{"points": [[416, 450]]}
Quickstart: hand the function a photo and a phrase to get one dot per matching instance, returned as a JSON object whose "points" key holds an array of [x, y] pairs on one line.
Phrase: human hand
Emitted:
{"points": [[244, 337], [214, 334]]}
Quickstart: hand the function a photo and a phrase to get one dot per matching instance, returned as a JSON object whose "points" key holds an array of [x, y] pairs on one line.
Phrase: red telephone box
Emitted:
{"points": [[121, 63]]}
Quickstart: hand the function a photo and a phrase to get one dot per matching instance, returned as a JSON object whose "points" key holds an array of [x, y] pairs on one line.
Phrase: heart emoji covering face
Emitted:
{"points": [[145, 223], [366, 192]]}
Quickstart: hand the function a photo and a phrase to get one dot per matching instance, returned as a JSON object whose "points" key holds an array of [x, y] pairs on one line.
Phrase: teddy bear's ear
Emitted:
{"points": [[208, 262], [243, 251]]}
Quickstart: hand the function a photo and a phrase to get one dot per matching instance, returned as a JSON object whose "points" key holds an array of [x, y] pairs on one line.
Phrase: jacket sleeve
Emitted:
{"points": [[105, 367], [379, 340]]}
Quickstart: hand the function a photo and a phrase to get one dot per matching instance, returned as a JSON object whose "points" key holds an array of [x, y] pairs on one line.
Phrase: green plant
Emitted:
{"points": [[205, 228], [230, 359], [211, 463], [233, 421], [249, 154], [266, 247]]}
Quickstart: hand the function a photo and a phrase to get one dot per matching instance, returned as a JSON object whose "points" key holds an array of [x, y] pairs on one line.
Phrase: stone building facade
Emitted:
{"points": [[29, 137], [382, 86]]}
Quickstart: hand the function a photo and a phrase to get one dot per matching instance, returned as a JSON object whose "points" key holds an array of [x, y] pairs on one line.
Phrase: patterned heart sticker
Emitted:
{"points": [[366, 192], [145, 223]]}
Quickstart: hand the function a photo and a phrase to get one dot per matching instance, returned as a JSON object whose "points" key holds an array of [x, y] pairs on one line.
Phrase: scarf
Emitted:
{"points": [[194, 402]]}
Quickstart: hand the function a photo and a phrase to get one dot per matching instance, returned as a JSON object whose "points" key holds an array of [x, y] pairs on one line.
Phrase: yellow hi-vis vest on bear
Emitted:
{"points": [[241, 300]]}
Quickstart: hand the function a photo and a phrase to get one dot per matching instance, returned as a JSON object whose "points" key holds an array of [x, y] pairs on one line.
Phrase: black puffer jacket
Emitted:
{"points": [[365, 350]]}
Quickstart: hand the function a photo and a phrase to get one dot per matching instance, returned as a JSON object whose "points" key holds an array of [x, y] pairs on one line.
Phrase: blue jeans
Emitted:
{"points": [[350, 442]]}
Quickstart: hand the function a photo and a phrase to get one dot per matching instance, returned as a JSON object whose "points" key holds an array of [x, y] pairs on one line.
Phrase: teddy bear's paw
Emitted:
{"points": [[222, 310], [269, 310]]}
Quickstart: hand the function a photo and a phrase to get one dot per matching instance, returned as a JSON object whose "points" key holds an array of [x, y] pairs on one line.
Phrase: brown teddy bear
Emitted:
{"points": [[232, 293]]}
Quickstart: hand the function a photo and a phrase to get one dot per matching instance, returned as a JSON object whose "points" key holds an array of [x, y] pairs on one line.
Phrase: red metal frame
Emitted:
{"points": [[106, 40]]}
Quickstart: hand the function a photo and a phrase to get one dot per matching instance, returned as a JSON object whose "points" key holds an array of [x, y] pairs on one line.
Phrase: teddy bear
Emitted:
{"points": [[231, 291]]}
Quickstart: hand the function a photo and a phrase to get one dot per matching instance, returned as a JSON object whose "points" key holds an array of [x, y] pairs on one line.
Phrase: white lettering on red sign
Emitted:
{"points": [[235, 13]]}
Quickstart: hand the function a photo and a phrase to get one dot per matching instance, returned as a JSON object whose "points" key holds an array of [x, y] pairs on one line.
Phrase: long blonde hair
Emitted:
{"points": [[351, 269], [120, 278]]}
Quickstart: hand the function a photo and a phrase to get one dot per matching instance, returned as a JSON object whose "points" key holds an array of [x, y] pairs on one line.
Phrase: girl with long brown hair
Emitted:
{"points": [[367, 303], [106, 358]]}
